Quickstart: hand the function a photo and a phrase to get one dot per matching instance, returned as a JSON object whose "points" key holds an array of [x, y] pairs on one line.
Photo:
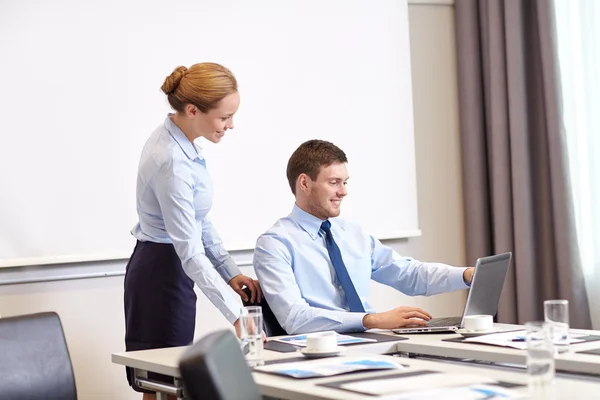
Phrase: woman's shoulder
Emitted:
{"points": [[162, 151]]}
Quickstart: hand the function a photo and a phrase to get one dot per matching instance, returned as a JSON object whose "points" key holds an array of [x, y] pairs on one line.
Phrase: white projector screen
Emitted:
{"points": [[80, 95]]}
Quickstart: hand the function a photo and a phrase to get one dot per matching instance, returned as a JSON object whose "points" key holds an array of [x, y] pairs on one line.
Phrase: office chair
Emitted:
{"points": [[34, 359], [271, 325], [214, 368]]}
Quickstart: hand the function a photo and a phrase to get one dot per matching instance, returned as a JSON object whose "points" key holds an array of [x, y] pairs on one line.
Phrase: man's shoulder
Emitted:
{"points": [[282, 228], [276, 242]]}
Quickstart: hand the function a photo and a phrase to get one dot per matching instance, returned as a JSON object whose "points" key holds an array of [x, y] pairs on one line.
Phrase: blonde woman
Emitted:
{"points": [[177, 245]]}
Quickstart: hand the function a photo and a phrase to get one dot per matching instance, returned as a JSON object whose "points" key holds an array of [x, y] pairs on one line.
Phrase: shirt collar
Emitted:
{"points": [[191, 150], [308, 222]]}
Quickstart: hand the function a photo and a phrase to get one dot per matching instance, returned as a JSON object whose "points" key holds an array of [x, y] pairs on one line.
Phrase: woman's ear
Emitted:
{"points": [[191, 110]]}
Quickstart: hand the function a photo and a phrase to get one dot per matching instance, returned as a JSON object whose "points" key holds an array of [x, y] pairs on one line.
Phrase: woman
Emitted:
{"points": [[176, 243]]}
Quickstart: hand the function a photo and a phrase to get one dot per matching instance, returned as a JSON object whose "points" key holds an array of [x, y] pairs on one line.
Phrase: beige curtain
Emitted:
{"points": [[515, 174]]}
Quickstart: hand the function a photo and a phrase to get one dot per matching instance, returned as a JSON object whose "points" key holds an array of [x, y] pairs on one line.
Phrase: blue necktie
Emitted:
{"points": [[340, 270]]}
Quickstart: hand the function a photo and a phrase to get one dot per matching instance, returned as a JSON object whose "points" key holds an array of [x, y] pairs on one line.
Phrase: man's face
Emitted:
{"points": [[325, 194]]}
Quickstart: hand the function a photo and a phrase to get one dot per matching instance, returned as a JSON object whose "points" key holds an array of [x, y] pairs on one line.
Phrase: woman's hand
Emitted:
{"points": [[238, 330], [238, 282]]}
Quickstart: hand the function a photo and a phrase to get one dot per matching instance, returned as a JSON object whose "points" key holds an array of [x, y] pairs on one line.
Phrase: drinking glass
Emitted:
{"points": [[251, 327], [556, 313], [540, 354]]}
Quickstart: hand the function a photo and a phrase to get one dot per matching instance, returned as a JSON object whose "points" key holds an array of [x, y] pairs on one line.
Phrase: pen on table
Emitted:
{"points": [[521, 339]]}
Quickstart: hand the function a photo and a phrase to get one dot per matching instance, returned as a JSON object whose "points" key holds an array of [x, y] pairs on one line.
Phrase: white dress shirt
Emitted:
{"points": [[174, 196], [300, 285]]}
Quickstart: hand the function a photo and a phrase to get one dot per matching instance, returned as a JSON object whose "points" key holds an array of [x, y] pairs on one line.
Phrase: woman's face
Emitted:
{"points": [[213, 124]]}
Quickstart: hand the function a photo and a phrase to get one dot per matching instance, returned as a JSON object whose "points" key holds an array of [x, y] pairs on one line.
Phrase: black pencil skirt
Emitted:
{"points": [[160, 303]]}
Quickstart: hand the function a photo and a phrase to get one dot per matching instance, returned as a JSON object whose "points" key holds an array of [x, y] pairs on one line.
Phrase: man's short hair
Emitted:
{"points": [[309, 157]]}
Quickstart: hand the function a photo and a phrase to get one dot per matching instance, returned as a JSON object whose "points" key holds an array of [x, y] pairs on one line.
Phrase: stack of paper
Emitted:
{"points": [[300, 340], [441, 386], [333, 366], [410, 383], [473, 392], [514, 339]]}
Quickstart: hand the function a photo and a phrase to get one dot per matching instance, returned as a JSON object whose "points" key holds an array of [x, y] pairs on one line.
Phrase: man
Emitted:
{"points": [[315, 269]]}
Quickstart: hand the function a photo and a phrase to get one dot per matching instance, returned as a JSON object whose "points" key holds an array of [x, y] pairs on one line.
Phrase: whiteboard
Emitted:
{"points": [[81, 94]]}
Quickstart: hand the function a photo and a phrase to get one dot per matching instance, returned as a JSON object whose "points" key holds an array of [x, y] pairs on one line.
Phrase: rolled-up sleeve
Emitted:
{"points": [[175, 196], [216, 253], [273, 266]]}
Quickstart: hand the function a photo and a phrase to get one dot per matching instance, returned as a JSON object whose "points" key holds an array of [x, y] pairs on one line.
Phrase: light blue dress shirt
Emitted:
{"points": [[174, 196], [300, 285]]}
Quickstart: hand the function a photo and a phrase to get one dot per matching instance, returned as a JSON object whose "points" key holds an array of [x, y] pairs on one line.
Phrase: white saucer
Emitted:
{"points": [[466, 333], [320, 354]]}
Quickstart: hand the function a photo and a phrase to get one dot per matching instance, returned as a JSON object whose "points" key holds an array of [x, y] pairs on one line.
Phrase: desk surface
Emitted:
{"points": [[287, 388], [433, 344], [165, 361]]}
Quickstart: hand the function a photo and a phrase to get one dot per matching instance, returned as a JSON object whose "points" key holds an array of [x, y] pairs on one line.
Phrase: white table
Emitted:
{"points": [[433, 345], [165, 361], [286, 388]]}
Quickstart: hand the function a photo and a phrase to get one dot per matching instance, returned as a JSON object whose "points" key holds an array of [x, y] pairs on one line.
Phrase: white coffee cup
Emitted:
{"points": [[321, 342], [476, 323]]}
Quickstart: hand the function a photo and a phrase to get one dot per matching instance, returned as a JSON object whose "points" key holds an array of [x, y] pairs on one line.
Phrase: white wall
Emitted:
{"points": [[371, 42], [92, 309]]}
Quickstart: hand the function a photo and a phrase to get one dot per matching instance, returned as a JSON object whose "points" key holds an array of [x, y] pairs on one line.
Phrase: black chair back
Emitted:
{"points": [[214, 368], [34, 359], [271, 325]]}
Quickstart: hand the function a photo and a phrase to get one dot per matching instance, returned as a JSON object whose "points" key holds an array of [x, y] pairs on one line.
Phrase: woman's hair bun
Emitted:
{"points": [[172, 81]]}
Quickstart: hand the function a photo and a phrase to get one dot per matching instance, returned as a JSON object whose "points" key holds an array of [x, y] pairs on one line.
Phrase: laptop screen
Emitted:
{"points": [[487, 284]]}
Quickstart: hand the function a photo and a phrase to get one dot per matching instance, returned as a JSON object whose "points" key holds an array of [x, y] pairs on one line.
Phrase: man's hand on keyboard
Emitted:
{"points": [[397, 318]]}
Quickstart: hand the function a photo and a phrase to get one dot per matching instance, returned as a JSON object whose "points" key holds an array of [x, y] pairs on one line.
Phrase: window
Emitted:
{"points": [[578, 40]]}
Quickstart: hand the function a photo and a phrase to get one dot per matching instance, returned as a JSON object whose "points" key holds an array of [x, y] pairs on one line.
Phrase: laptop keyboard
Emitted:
{"points": [[449, 321]]}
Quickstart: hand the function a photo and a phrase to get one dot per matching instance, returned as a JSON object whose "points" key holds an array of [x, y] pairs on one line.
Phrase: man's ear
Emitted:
{"points": [[303, 183]]}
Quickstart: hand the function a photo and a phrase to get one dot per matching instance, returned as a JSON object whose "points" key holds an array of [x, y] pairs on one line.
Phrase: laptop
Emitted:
{"points": [[484, 295]]}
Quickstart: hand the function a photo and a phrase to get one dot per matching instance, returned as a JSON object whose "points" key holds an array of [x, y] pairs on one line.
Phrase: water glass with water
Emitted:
{"points": [[556, 313], [251, 326], [540, 354]]}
